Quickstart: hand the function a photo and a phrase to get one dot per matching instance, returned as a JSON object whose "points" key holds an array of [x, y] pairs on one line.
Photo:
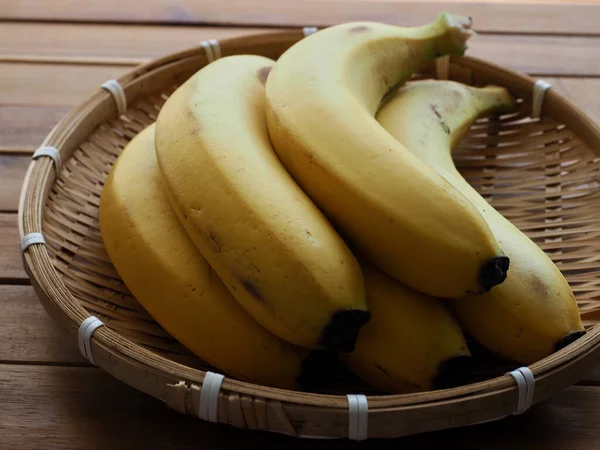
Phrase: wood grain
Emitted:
{"points": [[121, 44], [525, 17], [27, 126], [583, 92], [52, 84], [130, 45], [11, 268], [74, 408], [28, 335], [12, 172]]}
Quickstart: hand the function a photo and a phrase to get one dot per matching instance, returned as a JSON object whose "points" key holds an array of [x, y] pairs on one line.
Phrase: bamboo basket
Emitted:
{"points": [[542, 174]]}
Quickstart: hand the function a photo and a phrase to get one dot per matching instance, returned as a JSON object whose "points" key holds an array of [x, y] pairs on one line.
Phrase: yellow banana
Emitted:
{"points": [[271, 246], [322, 97], [164, 270], [412, 343], [534, 312]]}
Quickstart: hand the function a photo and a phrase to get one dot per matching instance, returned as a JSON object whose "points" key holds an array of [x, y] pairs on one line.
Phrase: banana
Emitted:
{"points": [[412, 343], [275, 251], [533, 313], [166, 273], [322, 97]]}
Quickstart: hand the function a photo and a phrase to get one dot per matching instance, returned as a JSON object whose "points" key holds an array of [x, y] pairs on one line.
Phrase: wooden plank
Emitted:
{"points": [[582, 91], [26, 126], [12, 172], [129, 45], [71, 407], [11, 268], [514, 17], [52, 84], [27, 334], [120, 44]]}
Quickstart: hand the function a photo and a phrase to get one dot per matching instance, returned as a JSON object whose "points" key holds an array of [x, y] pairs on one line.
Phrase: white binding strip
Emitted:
{"points": [[50, 152], [309, 30], [442, 67], [539, 90], [212, 49], [118, 94], [216, 48], [358, 414], [87, 328], [209, 396], [210, 57], [30, 239], [526, 385]]}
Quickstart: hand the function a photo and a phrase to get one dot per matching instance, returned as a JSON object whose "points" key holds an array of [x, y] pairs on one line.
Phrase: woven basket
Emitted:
{"points": [[542, 174]]}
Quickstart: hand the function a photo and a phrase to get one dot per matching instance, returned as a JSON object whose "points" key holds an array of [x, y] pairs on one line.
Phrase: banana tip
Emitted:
{"points": [[341, 332], [493, 272], [568, 339]]}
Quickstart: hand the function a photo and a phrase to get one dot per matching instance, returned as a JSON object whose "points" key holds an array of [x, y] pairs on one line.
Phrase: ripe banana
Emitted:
{"points": [[272, 247], [164, 270], [322, 97], [534, 312], [412, 343]]}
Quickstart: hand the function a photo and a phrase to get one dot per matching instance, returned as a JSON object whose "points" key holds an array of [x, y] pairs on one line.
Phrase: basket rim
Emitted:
{"points": [[50, 287]]}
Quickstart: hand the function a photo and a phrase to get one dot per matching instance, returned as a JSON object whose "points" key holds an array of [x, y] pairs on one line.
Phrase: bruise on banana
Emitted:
{"points": [[263, 74], [359, 29], [253, 290]]}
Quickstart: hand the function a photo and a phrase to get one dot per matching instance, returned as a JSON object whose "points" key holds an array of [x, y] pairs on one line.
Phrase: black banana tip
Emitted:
{"points": [[568, 339], [454, 372], [493, 272], [341, 332]]}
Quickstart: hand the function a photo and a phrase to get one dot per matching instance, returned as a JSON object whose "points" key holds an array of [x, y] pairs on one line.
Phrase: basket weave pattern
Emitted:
{"points": [[539, 173]]}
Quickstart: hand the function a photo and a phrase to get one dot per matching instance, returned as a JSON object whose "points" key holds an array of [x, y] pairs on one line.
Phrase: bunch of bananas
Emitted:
{"points": [[280, 208]]}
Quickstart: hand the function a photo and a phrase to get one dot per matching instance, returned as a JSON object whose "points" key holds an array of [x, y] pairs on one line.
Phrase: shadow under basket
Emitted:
{"points": [[528, 168]]}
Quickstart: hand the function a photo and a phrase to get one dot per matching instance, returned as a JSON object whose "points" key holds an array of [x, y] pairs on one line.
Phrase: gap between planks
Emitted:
{"points": [[499, 16], [133, 44]]}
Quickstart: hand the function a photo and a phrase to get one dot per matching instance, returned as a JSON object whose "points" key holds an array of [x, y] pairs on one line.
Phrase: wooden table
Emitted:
{"points": [[53, 54]]}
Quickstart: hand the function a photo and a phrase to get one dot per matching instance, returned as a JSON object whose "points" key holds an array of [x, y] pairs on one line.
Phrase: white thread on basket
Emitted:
{"points": [[442, 67], [209, 396], [358, 415], [539, 90], [50, 152], [309, 30], [86, 329], [212, 49], [525, 384], [216, 48], [30, 239], [115, 88]]}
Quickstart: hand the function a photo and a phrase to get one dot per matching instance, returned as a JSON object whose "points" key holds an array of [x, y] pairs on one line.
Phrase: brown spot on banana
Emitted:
{"points": [[263, 74], [445, 127], [253, 290], [538, 286], [359, 29]]}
